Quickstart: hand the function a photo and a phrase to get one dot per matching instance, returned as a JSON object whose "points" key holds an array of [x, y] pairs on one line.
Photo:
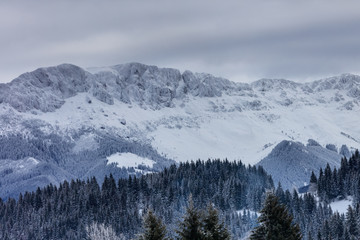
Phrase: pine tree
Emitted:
{"points": [[190, 228], [275, 222], [351, 222], [214, 229], [313, 183], [154, 229], [319, 236], [321, 184]]}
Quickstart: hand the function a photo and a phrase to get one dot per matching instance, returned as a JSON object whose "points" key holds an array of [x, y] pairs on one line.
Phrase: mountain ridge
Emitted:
{"points": [[186, 100], [134, 82], [73, 119]]}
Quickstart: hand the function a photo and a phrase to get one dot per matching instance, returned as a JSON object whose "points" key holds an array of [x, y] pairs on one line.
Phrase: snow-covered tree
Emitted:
{"points": [[96, 231]]}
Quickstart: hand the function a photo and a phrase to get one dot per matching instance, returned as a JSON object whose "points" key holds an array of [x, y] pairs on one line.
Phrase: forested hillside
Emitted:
{"points": [[64, 212], [339, 183], [71, 209], [335, 185], [312, 211]]}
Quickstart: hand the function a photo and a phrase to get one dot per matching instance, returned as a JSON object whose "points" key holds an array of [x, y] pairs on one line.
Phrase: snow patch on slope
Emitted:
{"points": [[341, 206], [129, 160]]}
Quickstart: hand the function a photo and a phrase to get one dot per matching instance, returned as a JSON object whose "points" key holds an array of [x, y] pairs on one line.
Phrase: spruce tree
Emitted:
{"points": [[319, 236], [313, 183], [351, 222], [214, 229], [191, 226], [275, 222], [154, 229]]}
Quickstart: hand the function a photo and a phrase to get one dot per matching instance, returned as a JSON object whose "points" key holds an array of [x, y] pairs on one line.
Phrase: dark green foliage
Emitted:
{"points": [[154, 229], [214, 228], [64, 211], [313, 183], [351, 223], [202, 225], [317, 220], [275, 222], [191, 226], [340, 183]]}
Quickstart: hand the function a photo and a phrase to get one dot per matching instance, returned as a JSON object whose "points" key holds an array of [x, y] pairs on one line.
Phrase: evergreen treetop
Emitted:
{"points": [[214, 229], [190, 227], [154, 229], [275, 222]]}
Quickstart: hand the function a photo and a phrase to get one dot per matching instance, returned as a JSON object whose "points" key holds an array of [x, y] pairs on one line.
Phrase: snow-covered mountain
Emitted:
{"points": [[77, 123], [291, 163]]}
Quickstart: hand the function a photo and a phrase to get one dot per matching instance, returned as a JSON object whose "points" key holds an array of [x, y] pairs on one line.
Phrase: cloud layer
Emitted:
{"points": [[240, 40]]}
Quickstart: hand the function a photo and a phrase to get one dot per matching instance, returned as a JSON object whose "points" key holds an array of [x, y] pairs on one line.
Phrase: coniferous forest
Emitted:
{"points": [[66, 211], [78, 209]]}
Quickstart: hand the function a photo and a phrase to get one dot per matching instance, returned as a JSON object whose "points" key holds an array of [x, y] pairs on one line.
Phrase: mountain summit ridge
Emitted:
{"points": [[46, 89]]}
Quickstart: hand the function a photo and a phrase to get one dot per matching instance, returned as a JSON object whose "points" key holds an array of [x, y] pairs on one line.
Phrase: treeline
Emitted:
{"points": [[307, 213], [316, 219], [69, 210], [338, 183], [341, 226], [275, 222], [312, 212], [195, 225], [66, 211]]}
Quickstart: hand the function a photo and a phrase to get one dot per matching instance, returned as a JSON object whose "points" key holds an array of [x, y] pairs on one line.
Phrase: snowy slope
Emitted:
{"points": [[192, 116], [341, 206], [173, 115], [291, 163], [189, 116], [129, 160]]}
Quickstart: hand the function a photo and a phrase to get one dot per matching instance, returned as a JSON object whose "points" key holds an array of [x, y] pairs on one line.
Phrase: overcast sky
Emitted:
{"points": [[239, 40]]}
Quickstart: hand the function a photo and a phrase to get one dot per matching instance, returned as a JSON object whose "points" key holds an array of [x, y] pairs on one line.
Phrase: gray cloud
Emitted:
{"points": [[240, 40]]}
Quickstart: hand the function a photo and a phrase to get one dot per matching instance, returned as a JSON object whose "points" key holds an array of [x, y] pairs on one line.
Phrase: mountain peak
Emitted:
{"points": [[46, 89], [344, 81], [266, 84], [291, 163]]}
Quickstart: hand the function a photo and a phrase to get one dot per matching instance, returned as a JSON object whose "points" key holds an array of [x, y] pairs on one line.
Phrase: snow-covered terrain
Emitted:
{"points": [[193, 116], [341, 206], [173, 115], [129, 160], [291, 163]]}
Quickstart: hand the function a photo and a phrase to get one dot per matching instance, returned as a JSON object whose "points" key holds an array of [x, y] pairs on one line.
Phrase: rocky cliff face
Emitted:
{"points": [[46, 89]]}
